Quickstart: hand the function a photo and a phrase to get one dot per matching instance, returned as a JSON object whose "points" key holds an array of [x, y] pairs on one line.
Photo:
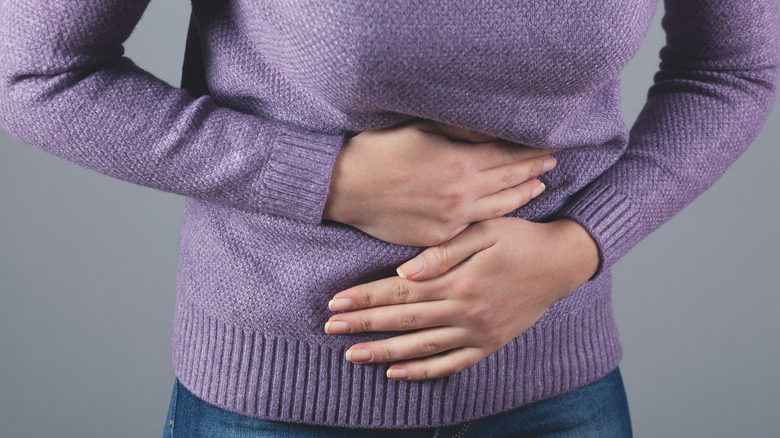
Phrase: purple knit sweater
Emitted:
{"points": [[270, 89]]}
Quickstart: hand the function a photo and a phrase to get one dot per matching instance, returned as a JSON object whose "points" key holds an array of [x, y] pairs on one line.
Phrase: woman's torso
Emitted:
{"points": [[255, 287]]}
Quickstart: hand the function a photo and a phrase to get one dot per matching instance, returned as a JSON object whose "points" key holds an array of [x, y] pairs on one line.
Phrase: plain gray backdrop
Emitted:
{"points": [[88, 279]]}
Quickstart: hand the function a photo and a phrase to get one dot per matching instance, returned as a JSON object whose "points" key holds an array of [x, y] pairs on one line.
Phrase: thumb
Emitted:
{"points": [[439, 259]]}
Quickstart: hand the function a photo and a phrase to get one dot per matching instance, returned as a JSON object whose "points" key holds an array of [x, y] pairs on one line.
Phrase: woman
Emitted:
{"points": [[259, 266]]}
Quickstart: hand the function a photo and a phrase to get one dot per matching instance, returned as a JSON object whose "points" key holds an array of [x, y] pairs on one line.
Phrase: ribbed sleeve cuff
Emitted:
{"points": [[610, 217], [296, 178]]}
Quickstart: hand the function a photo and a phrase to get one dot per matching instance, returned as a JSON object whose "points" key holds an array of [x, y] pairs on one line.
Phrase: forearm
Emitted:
{"points": [[577, 251], [710, 98], [66, 88]]}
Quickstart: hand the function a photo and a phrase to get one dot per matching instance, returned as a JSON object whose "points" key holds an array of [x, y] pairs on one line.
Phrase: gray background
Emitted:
{"points": [[88, 273]]}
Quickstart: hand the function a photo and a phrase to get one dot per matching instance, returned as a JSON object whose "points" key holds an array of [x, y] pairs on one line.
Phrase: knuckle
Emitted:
{"points": [[387, 354], [365, 323], [478, 313], [510, 152], [407, 321], [508, 177], [401, 292], [367, 296], [455, 197], [448, 215], [429, 347], [460, 164], [441, 254], [466, 287]]}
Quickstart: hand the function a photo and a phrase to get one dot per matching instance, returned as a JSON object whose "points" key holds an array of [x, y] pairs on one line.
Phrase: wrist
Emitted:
{"points": [[579, 248], [335, 209]]}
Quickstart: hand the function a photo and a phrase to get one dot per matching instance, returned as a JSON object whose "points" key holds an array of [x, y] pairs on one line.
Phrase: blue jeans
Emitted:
{"points": [[597, 410]]}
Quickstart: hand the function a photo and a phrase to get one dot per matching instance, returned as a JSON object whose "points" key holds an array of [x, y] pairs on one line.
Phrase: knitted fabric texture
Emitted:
{"points": [[271, 89]]}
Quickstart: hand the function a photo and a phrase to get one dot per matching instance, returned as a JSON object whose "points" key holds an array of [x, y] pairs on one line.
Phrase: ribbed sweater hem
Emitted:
{"points": [[275, 378]]}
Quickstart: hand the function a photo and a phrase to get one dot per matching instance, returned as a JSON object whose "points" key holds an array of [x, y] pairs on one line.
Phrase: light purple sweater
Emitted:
{"points": [[270, 89]]}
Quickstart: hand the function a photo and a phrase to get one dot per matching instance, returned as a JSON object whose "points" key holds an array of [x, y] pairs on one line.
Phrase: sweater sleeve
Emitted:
{"points": [[66, 88], [711, 96]]}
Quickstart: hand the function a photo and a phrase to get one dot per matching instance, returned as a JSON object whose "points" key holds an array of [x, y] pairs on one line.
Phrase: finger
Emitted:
{"points": [[455, 133], [387, 291], [439, 259], [410, 346], [494, 180], [443, 365], [400, 317], [506, 201], [491, 152], [486, 156]]}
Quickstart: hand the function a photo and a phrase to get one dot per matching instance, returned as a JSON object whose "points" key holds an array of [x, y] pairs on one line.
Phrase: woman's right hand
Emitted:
{"points": [[421, 183]]}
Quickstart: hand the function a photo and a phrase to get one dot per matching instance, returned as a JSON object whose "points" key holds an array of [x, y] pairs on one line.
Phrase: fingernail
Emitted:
{"points": [[411, 268], [549, 163], [359, 355], [397, 373], [538, 190], [337, 327], [340, 304]]}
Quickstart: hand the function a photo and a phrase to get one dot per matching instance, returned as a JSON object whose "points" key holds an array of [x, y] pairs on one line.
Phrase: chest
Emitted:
{"points": [[353, 49]]}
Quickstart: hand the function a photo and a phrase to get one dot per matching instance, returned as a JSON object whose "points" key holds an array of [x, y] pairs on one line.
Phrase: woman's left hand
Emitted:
{"points": [[467, 297]]}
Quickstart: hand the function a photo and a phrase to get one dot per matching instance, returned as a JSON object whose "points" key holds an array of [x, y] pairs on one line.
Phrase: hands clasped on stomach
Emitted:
{"points": [[484, 279]]}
